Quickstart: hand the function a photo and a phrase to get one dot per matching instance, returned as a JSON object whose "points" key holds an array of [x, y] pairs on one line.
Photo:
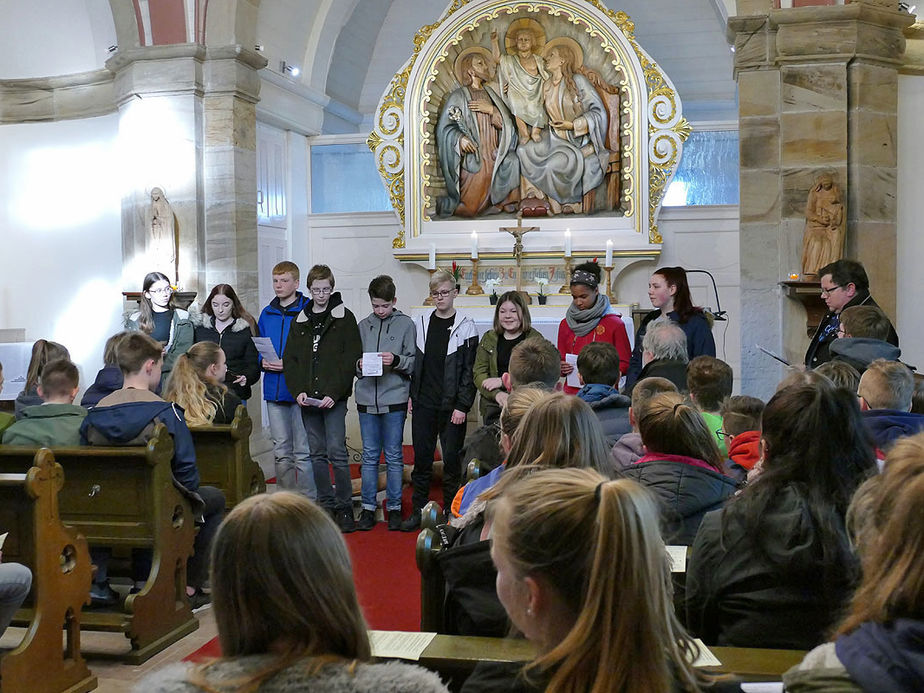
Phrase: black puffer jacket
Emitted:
{"points": [[236, 341], [686, 490]]}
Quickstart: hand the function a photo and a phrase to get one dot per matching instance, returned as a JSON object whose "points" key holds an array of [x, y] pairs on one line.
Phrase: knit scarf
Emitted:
{"points": [[582, 322]]}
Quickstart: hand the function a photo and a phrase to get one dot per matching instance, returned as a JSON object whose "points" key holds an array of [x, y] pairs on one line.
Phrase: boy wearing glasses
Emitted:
{"points": [[710, 381], [319, 364], [442, 392]]}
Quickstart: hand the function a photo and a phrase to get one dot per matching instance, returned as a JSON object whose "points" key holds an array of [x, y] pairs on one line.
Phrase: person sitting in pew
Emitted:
{"points": [[43, 351], [598, 372], [774, 567], [56, 422], [6, 419], [841, 373], [15, 583], [583, 573], [286, 609], [128, 417], [197, 383], [709, 381], [877, 646], [741, 428], [628, 449], [109, 377]]}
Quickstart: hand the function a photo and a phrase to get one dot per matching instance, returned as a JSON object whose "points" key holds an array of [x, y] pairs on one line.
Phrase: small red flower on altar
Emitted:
{"points": [[594, 261], [456, 272]]}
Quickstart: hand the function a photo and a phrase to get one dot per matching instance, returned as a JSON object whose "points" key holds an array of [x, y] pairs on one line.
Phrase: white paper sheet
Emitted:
{"points": [[3, 539], [372, 363], [572, 380], [678, 556], [762, 687], [706, 658], [399, 645], [267, 350], [312, 402]]}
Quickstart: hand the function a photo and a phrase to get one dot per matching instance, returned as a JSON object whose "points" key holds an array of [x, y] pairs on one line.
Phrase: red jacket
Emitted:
{"points": [[610, 329]]}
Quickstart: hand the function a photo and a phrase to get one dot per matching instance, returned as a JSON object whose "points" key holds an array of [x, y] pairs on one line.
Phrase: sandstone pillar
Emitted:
{"points": [[816, 89]]}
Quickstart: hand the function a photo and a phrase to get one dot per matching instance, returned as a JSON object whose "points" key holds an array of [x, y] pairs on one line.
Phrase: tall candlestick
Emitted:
{"points": [[567, 242], [609, 254], [474, 245], [431, 263]]}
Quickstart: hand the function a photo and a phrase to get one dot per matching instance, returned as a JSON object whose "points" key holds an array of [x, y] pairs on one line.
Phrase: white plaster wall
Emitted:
{"points": [[61, 264], [910, 241], [40, 38]]}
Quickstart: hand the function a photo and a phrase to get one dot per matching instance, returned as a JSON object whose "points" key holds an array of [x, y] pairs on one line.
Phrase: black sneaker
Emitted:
{"points": [[394, 520], [199, 599], [345, 520], [366, 520], [412, 523]]}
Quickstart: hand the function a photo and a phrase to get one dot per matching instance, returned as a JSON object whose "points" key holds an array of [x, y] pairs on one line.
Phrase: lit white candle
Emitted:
{"points": [[609, 254], [474, 245], [567, 242], [431, 264]]}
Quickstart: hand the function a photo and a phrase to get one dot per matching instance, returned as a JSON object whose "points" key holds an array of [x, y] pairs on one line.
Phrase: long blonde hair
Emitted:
{"points": [[282, 581], [188, 387], [597, 542], [43, 351]]}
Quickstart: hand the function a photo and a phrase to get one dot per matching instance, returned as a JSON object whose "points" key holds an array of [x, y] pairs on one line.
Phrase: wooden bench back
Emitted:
{"points": [[224, 461], [60, 563]]}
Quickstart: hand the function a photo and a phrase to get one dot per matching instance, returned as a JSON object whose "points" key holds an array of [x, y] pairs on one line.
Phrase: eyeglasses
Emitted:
{"points": [[722, 434], [828, 292], [165, 290], [321, 292], [441, 294]]}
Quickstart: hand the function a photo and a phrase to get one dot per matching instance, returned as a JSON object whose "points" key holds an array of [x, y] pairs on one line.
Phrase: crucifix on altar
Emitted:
{"points": [[517, 233]]}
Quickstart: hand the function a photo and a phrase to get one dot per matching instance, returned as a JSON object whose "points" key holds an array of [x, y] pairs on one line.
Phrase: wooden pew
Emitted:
{"points": [[124, 497], [224, 461], [61, 573]]}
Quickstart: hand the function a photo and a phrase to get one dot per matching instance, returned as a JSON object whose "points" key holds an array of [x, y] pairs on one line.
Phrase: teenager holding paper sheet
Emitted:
{"points": [[382, 399]]}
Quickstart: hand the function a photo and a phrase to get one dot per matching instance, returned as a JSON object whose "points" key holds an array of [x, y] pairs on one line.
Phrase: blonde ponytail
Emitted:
{"points": [[187, 386]]}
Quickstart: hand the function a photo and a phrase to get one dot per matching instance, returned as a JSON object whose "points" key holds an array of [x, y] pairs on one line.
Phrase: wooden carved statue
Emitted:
{"points": [[825, 219], [161, 241]]}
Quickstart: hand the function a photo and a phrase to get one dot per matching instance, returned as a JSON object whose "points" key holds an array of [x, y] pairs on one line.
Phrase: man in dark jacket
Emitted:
{"points": [[319, 365], [664, 354], [127, 417], [598, 370], [843, 284], [885, 398]]}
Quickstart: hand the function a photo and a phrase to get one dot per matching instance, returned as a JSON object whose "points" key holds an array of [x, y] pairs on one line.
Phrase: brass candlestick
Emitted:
{"points": [[566, 287], [475, 288], [609, 284], [428, 301]]}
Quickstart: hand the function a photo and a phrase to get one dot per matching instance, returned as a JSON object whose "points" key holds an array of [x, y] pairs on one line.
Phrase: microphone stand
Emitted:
{"points": [[719, 314]]}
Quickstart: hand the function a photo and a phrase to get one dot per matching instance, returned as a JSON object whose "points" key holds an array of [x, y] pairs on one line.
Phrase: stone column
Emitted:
{"points": [[816, 89], [187, 125]]}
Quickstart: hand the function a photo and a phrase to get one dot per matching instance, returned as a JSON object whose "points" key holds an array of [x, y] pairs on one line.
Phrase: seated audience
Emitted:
{"points": [[515, 408], [741, 429], [127, 417], [109, 377], [709, 381], [628, 449], [774, 567], [197, 384], [878, 644], [512, 325], [56, 422], [862, 336], [598, 371], [885, 398], [682, 467], [841, 373], [664, 355], [15, 583], [844, 284], [6, 419], [582, 574], [535, 362], [225, 321], [286, 610], [43, 351], [917, 398]]}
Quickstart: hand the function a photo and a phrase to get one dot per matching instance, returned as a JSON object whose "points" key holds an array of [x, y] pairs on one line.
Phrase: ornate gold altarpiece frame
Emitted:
{"points": [[651, 123]]}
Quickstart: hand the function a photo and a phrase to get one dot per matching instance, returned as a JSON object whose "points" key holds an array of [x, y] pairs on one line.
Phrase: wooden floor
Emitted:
{"points": [[115, 677]]}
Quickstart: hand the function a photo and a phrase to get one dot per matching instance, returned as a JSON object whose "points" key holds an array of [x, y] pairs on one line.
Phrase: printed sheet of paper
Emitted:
{"points": [[572, 379], [678, 556], [372, 363], [267, 350], [312, 402], [399, 645], [706, 658], [3, 538], [763, 687]]}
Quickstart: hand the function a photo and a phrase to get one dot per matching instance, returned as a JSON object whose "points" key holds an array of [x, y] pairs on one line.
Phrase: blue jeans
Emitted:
{"points": [[382, 431], [290, 448], [327, 438]]}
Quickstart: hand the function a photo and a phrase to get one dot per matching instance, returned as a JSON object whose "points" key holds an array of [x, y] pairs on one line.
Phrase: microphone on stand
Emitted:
{"points": [[719, 314]]}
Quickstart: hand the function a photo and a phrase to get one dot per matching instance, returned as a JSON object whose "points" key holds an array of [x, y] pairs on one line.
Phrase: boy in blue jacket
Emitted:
{"points": [[127, 417], [290, 440]]}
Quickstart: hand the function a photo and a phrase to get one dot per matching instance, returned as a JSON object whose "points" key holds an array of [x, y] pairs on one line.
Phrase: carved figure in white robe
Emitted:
{"points": [[520, 76], [162, 235]]}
